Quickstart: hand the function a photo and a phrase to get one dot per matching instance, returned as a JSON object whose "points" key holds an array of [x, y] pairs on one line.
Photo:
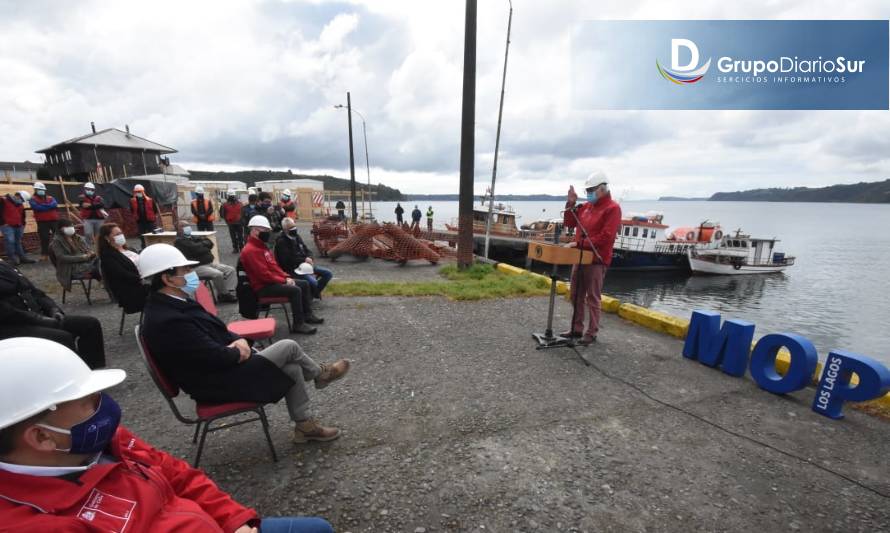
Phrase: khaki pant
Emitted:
{"points": [[289, 356], [223, 277]]}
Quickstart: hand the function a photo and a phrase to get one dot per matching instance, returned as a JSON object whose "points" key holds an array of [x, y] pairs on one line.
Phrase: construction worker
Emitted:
{"points": [[92, 212], [341, 209], [67, 463], [597, 222], [144, 210], [429, 218], [202, 210], [13, 228], [230, 211], [46, 213], [286, 203]]}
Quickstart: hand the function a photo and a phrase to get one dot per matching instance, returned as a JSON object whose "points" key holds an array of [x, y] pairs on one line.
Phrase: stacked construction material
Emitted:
{"points": [[389, 242]]}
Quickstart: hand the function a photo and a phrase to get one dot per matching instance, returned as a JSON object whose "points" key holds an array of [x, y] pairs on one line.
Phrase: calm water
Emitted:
{"points": [[836, 294]]}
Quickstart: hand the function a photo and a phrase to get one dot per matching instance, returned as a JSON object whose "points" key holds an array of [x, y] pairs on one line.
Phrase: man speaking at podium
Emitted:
{"points": [[596, 222]]}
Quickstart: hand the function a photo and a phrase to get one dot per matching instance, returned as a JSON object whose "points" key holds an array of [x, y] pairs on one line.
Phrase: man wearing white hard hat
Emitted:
{"points": [[145, 211], [230, 211], [202, 210], [596, 222], [198, 352], [46, 214], [67, 464], [267, 279], [287, 204], [92, 212]]}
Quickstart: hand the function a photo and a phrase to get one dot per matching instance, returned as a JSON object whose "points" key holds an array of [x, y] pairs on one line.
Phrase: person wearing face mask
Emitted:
{"points": [[202, 210], [198, 352], [27, 310], [12, 215], [46, 213], [68, 464], [291, 253], [596, 222], [230, 211], [249, 211], [145, 211], [92, 212], [286, 203], [71, 255], [273, 213], [267, 278], [223, 277], [119, 270]]}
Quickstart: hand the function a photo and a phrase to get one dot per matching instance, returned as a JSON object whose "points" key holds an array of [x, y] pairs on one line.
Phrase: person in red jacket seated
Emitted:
{"points": [[66, 463], [267, 279], [145, 211], [46, 213], [596, 223]]}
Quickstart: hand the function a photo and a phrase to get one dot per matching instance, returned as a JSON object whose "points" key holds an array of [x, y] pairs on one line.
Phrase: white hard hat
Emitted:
{"points": [[286, 192], [159, 258], [231, 192], [597, 177], [89, 185], [38, 374], [199, 190], [39, 186], [138, 188], [26, 196], [259, 221], [304, 269]]}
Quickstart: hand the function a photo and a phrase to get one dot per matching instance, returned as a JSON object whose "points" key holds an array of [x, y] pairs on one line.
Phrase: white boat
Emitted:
{"points": [[643, 243], [739, 254]]}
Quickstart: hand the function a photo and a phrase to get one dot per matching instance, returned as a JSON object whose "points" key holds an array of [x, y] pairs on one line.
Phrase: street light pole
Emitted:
{"points": [[467, 142], [497, 139], [351, 161], [367, 161]]}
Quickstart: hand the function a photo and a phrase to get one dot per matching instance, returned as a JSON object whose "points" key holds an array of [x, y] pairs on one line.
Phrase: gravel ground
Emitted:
{"points": [[452, 421]]}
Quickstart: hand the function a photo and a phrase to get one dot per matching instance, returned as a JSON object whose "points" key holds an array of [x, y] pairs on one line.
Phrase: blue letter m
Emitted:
{"points": [[712, 345]]}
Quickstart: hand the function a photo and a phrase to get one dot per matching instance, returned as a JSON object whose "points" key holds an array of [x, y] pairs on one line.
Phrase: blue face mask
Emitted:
{"points": [[95, 433], [191, 284], [187, 231], [591, 196], [40, 192], [88, 192]]}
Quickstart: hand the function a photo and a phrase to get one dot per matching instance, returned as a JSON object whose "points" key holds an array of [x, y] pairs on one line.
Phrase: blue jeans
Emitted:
{"points": [[295, 525], [12, 240], [318, 283]]}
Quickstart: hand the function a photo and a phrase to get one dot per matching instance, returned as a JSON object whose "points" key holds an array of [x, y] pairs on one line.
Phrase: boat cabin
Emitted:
{"points": [[640, 232]]}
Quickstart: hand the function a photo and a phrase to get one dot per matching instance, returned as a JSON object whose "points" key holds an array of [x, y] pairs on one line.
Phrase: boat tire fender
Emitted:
{"points": [[718, 235], [737, 266], [690, 236]]}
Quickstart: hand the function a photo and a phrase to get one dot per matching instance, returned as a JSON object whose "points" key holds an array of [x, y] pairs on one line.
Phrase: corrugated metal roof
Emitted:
{"points": [[117, 138]]}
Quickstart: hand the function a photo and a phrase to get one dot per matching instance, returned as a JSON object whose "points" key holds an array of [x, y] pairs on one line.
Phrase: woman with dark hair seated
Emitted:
{"points": [[71, 255], [119, 269]]}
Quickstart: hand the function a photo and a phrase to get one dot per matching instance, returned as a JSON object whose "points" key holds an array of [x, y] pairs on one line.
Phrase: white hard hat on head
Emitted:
{"points": [[597, 177], [159, 258], [199, 189], [39, 186], [39, 374], [89, 185], [259, 221], [286, 192], [305, 269], [26, 196], [230, 192], [138, 188]]}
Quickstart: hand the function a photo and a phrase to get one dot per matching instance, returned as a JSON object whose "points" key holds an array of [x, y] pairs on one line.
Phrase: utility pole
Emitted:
{"points": [[351, 160], [467, 142], [497, 138], [368, 166]]}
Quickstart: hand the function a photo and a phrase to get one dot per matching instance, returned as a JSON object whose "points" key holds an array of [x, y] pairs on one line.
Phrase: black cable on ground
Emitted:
{"points": [[731, 432]]}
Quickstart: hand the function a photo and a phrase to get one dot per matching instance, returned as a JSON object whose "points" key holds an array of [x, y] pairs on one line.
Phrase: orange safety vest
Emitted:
{"points": [[210, 216]]}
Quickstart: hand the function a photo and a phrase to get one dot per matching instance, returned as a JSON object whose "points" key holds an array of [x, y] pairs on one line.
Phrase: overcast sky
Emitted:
{"points": [[252, 84]]}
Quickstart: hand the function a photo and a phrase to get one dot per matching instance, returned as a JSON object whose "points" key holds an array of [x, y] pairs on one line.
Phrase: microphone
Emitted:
{"points": [[574, 207]]}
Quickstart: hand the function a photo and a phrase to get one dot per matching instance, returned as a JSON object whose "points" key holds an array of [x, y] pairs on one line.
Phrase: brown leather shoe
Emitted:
{"points": [[587, 339], [331, 372], [311, 430], [571, 334]]}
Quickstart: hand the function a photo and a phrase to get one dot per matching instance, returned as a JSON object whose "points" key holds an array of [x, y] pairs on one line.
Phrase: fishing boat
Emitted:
{"points": [[503, 219], [644, 243], [739, 254]]}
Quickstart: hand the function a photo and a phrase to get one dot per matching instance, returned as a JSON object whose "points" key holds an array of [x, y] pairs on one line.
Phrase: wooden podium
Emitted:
{"points": [[556, 255]]}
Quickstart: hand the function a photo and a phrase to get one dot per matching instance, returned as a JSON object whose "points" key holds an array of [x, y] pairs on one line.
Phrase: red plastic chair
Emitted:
{"points": [[207, 413], [259, 330], [269, 301]]}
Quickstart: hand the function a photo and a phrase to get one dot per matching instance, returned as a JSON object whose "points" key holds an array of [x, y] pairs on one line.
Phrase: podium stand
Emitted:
{"points": [[556, 255]]}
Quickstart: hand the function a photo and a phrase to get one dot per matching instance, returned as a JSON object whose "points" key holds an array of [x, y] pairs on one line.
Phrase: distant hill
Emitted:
{"points": [[250, 177], [867, 193]]}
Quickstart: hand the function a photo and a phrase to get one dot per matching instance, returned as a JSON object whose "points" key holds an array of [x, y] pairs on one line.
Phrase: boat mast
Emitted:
{"points": [[497, 139]]}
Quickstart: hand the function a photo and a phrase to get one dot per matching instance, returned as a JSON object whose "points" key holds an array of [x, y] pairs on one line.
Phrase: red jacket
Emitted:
{"points": [[45, 209], [13, 215], [260, 266], [231, 212], [147, 490], [601, 220], [94, 208], [288, 205], [149, 209]]}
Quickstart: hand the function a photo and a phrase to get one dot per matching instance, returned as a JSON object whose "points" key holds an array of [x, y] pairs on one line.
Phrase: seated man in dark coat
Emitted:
{"points": [[196, 350], [291, 252], [26, 311]]}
